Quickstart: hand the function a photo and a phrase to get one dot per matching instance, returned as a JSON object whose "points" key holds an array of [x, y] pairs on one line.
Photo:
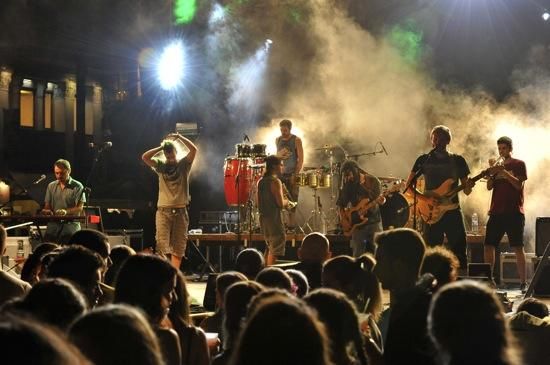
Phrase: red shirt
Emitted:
{"points": [[506, 198]]}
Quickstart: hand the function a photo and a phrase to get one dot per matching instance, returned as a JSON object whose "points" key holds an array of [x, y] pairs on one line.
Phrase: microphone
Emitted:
{"points": [[40, 179], [383, 148]]}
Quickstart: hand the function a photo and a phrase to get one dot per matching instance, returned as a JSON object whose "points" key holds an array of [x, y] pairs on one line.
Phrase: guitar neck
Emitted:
{"points": [[458, 189]]}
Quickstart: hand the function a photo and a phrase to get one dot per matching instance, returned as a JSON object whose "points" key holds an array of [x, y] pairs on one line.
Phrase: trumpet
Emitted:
{"points": [[291, 204], [496, 161]]}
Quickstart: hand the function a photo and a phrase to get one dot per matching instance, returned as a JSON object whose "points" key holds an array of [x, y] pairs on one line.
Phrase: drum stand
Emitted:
{"points": [[333, 218], [317, 216]]}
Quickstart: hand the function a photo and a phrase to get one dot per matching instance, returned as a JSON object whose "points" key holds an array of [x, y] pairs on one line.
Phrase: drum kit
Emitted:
{"points": [[243, 170], [241, 174]]}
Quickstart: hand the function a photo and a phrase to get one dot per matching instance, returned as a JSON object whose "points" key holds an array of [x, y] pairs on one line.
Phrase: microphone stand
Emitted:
{"points": [[87, 190], [412, 184]]}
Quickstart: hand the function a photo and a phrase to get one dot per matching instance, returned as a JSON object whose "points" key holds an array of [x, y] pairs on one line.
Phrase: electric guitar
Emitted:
{"points": [[355, 217], [431, 210]]}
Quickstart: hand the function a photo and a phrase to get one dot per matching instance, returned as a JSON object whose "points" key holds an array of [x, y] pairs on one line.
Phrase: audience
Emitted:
{"points": [[299, 280], [531, 327], [118, 255], [81, 267], [149, 282], [236, 300], [399, 257], [354, 278], [263, 321], [282, 331], [32, 270], [116, 334], [96, 242], [313, 252], [10, 286], [214, 323], [341, 320], [249, 262], [55, 302], [25, 341], [274, 277], [466, 322], [194, 349], [441, 263]]}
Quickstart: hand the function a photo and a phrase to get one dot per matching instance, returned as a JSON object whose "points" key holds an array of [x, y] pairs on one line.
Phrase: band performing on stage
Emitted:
{"points": [[265, 190]]}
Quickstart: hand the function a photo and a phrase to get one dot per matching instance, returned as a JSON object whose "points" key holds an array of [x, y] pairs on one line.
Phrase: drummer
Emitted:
{"points": [[291, 152]]}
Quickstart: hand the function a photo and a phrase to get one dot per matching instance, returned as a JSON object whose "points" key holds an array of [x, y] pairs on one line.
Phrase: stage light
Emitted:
{"points": [[267, 44], [545, 16], [171, 66], [217, 14]]}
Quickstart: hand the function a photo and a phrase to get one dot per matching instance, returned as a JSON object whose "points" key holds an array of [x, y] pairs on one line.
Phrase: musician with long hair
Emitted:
{"points": [[356, 186], [271, 201]]}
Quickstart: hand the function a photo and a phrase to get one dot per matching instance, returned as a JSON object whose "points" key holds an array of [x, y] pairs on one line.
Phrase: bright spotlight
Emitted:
{"points": [[171, 66], [267, 44], [217, 14], [545, 16]]}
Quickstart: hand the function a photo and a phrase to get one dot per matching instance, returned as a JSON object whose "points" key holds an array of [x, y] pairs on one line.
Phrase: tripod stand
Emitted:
{"points": [[317, 221]]}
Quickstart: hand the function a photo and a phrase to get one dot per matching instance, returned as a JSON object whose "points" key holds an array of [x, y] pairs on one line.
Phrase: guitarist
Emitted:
{"points": [[271, 200], [356, 185], [506, 214], [438, 166]]}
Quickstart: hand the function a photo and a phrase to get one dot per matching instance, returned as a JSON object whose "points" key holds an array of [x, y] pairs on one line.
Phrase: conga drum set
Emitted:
{"points": [[241, 174]]}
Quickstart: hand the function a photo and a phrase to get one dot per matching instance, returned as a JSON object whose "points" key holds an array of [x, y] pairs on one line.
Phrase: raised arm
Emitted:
{"points": [[147, 157], [190, 146]]}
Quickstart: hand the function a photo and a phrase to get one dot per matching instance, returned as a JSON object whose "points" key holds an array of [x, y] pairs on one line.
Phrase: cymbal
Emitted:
{"points": [[326, 147], [389, 178]]}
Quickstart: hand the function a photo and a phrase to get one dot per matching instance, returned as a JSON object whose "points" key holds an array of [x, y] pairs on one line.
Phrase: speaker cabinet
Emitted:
{"points": [[542, 286], [542, 234]]}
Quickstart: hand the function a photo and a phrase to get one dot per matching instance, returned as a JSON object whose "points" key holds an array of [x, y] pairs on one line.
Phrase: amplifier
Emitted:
{"points": [[508, 268]]}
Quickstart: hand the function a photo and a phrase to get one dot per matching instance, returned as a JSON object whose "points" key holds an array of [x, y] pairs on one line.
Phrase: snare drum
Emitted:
{"points": [[325, 181], [301, 179], [243, 150], [258, 150], [395, 211]]}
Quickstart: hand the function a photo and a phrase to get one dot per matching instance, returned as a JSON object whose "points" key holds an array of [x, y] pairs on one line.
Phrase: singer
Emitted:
{"points": [[291, 152], [437, 167], [172, 219], [64, 196]]}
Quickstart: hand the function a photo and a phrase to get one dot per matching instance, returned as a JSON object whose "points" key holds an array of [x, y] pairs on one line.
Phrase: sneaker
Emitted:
{"points": [[523, 288]]}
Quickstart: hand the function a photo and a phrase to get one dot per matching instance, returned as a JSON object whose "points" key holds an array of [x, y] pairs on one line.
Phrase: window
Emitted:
{"points": [[26, 108], [48, 109]]}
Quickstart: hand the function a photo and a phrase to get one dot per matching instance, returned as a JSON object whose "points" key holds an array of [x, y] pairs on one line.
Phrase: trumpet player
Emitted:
{"points": [[506, 180], [271, 201]]}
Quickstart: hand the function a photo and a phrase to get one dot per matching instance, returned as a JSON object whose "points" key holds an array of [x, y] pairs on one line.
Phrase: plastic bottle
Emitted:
{"points": [[475, 223], [20, 250]]}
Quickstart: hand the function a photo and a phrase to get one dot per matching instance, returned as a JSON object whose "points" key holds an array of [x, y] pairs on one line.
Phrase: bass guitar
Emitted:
{"points": [[355, 217], [440, 200]]}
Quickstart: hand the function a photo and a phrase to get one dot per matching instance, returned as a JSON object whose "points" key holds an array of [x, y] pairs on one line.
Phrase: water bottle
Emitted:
{"points": [[20, 250], [475, 223]]}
